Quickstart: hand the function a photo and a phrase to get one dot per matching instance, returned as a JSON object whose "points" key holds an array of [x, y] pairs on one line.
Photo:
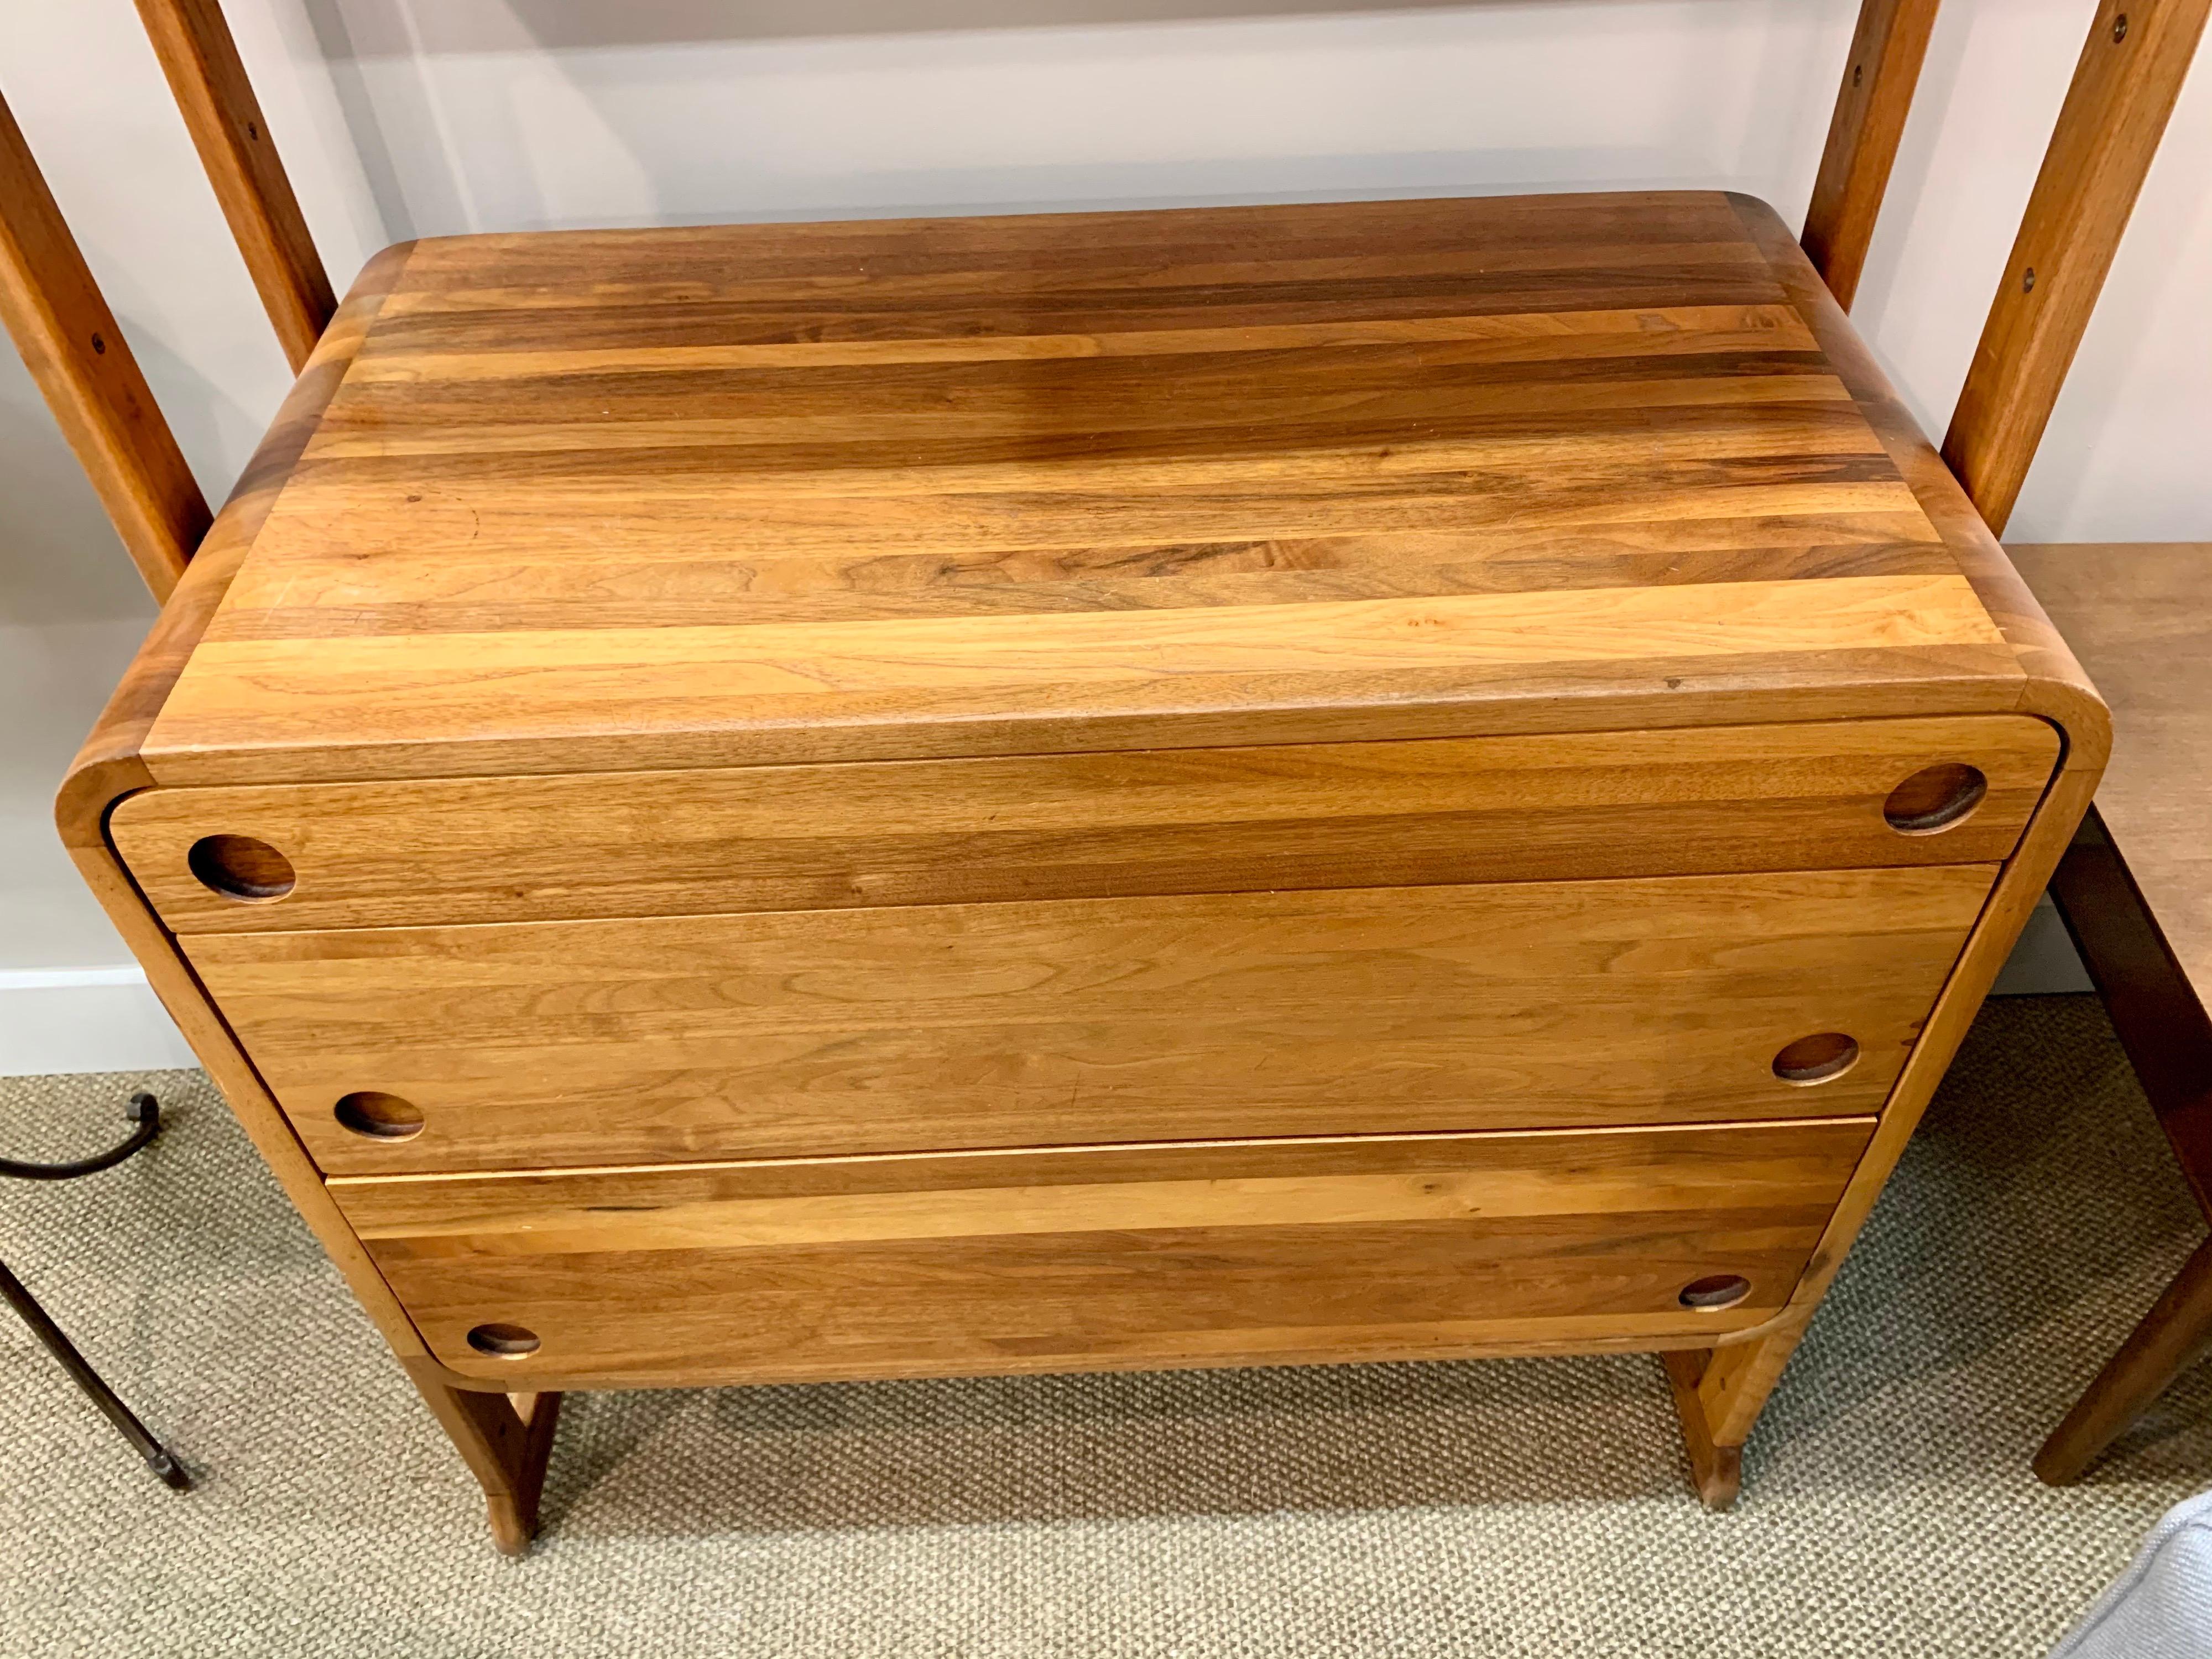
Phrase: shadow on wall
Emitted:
{"points": [[380, 29], [60, 559], [489, 115]]}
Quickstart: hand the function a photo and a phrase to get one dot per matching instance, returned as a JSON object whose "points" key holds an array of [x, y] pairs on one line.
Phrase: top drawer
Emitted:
{"points": [[1832, 794]]}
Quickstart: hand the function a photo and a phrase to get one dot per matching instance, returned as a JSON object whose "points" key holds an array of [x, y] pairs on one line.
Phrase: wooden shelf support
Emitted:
{"points": [[1879, 80], [201, 60], [92, 384], [2124, 86]]}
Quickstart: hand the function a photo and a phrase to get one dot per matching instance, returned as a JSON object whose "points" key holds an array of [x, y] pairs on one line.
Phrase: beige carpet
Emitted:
{"points": [[1507, 1508]]}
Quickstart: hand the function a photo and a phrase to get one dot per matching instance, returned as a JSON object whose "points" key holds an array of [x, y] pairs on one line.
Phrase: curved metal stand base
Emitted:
{"points": [[146, 1112]]}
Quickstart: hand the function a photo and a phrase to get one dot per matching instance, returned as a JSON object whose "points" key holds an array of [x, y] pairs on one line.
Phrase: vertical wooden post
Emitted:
{"points": [[2124, 86], [81, 361], [1887, 52], [201, 60]]}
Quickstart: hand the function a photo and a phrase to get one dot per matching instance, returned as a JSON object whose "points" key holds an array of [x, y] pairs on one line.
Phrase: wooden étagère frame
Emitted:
{"points": [[2123, 88]]}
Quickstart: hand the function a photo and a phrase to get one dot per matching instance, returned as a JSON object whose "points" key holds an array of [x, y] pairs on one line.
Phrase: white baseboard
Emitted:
{"points": [[85, 1019]]}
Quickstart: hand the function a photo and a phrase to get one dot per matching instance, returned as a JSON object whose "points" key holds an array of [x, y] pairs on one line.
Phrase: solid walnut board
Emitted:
{"points": [[1060, 826], [1368, 1010], [1107, 1257], [634, 499]]}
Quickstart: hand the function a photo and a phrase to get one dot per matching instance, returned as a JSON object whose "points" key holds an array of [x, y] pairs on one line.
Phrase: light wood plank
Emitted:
{"points": [[887, 689], [451, 586]]}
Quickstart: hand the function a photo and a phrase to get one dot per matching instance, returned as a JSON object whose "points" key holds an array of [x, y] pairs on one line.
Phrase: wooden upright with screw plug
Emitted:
{"points": [[1377, 780]]}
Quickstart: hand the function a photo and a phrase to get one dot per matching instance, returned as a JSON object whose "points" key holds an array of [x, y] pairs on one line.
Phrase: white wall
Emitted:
{"points": [[422, 116]]}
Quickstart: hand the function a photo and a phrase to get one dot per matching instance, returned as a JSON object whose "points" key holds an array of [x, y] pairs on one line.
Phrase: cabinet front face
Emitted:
{"points": [[1210, 1017], [1255, 785], [1107, 1257]]}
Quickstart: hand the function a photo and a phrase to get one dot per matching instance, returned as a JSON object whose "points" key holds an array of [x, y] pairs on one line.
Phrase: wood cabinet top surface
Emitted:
{"points": [[770, 493]]}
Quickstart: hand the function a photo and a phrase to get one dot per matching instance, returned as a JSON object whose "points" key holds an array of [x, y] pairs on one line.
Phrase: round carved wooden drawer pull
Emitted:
{"points": [[240, 867], [1821, 1058], [504, 1341], [1934, 799], [1715, 1291], [379, 1116]]}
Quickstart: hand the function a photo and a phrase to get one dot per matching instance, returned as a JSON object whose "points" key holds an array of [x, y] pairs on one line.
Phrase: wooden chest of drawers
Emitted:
{"points": [[1233, 786]]}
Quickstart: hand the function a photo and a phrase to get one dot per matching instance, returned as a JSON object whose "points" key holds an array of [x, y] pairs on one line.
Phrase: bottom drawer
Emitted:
{"points": [[1220, 1253]]}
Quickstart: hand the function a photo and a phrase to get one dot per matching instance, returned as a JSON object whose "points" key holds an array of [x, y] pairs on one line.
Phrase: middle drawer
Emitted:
{"points": [[1074, 1022]]}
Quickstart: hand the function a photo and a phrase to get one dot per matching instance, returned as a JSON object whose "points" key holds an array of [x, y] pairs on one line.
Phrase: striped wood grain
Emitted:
{"points": [[1106, 1257], [1370, 1011], [1703, 799], [1566, 464], [895, 489]]}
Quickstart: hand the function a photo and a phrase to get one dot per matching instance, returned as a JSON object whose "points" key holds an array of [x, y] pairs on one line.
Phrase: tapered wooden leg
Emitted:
{"points": [[1719, 1394], [505, 1440], [1716, 1471], [2174, 1334]]}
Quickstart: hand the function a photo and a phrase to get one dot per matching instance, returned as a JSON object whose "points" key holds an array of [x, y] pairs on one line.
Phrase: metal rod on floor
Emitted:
{"points": [[157, 1455], [146, 1112]]}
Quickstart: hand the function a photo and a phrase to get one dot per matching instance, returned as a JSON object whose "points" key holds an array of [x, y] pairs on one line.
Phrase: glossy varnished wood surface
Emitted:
{"points": [[802, 493], [1573, 466], [2139, 615], [108, 767], [1367, 1011], [1733, 1386], [1106, 1256], [1686, 801]]}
